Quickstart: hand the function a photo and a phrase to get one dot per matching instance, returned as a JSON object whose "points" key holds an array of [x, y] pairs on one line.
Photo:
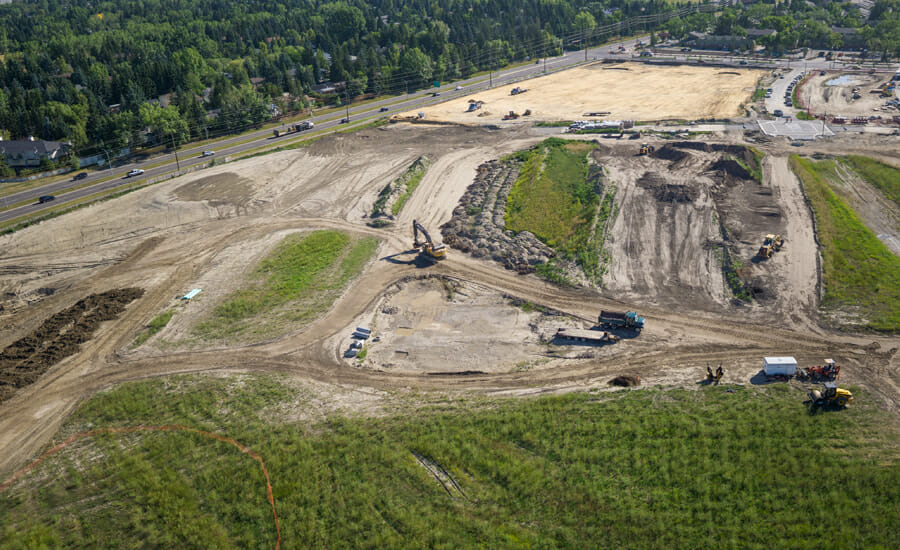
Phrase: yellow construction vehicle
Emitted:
{"points": [[771, 244], [832, 396], [646, 149], [429, 249]]}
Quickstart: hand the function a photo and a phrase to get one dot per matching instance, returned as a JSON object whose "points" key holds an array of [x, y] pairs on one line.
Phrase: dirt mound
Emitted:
{"points": [[732, 168], [219, 189], [477, 226], [25, 360], [663, 191], [625, 380], [669, 152]]}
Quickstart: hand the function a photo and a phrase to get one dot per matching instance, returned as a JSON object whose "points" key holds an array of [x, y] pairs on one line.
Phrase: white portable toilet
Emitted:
{"points": [[779, 365]]}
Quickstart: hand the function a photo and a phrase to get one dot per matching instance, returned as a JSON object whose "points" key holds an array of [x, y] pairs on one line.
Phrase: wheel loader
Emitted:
{"points": [[771, 244], [646, 149], [429, 249], [832, 397]]}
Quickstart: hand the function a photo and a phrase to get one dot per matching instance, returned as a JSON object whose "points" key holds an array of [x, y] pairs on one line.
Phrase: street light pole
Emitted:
{"points": [[108, 162], [177, 164], [347, 95]]}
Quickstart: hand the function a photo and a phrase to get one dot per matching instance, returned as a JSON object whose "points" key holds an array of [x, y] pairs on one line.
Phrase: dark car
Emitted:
{"points": [[383, 110], [46, 198], [80, 176], [435, 94], [345, 120]]}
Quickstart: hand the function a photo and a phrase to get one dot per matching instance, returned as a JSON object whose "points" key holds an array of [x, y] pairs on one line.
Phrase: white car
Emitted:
{"points": [[135, 172], [207, 154], [459, 87]]}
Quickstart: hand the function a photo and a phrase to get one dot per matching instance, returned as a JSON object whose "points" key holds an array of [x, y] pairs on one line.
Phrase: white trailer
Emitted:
{"points": [[786, 366]]}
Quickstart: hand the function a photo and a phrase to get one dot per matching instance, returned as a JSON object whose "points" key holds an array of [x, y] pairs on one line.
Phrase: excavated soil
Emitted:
{"points": [[664, 265], [60, 336]]}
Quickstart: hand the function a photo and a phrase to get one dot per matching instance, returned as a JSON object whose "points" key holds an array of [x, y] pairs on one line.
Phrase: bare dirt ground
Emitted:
{"points": [[627, 91], [832, 94], [207, 229]]}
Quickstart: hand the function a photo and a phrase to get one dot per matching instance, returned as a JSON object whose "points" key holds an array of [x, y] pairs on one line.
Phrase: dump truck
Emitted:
{"points": [[620, 319]]}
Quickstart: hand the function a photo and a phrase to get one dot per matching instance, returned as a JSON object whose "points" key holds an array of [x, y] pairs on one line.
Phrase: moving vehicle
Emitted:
{"points": [[345, 120], [429, 249], [207, 154], [46, 198], [778, 112], [80, 176], [832, 396], [517, 90], [297, 127], [771, 244], [134, 172], [383, 110], [623, 319]]}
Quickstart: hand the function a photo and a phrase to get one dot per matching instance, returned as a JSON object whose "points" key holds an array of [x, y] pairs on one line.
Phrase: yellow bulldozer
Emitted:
{"points": [[428, 248], [771, 245], [646, 149], [831, 397]]}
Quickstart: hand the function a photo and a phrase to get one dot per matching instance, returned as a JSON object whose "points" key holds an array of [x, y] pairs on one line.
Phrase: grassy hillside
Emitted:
{"points": [[555, 199], [743, 467], [860, 274], [886, 178], [295, 283]]}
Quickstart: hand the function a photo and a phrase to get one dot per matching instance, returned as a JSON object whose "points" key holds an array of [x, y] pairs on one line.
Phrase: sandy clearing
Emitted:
{"points": [[628, 91], [832, 95]]}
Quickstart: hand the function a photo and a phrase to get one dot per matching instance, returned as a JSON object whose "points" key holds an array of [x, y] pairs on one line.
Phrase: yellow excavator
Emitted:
{"points": [[429, 249], [646, 149]]}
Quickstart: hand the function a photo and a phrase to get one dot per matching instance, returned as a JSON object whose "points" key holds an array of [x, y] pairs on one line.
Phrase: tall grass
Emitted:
{"points": [[307, 271], [859, 272], [410, 180], [710, 468], [885, 177], [554, 199]]}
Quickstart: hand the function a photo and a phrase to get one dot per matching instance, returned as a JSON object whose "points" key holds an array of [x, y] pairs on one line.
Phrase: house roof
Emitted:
{"points": [[38, 147]]}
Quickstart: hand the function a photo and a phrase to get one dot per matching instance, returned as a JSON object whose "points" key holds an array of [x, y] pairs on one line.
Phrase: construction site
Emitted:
{"points": [[706, 253]]}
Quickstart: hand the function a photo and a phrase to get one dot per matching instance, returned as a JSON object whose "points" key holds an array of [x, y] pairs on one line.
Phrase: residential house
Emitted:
{"points": [[28, 153]]}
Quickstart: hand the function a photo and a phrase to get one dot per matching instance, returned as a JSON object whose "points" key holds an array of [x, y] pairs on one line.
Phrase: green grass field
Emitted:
{"points": [[886, 178], [860, 273], [555, 199], [156, 324], [636, 469], [297, 281]]}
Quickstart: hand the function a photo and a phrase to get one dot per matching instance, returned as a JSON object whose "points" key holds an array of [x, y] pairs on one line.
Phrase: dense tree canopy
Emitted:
{"points": [[84, 71]]}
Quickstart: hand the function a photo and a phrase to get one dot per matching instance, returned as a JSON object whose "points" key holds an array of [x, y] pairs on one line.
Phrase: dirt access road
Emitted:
{"points": [[207, 230]]}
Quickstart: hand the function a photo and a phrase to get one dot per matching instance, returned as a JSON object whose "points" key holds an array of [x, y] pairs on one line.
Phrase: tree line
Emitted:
{"points": [[90, 72]]}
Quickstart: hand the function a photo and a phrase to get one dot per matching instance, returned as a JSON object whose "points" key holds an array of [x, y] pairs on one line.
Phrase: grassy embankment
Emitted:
{"points": [[886, 178], [637, 469], [156, 324], [298, 281], [400, 190], [555, 198], [861, 275]]}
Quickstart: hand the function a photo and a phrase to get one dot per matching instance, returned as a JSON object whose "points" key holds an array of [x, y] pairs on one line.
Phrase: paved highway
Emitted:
{"points": [[110, 179]]}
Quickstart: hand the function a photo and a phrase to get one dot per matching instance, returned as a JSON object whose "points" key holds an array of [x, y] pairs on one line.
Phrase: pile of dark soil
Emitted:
{"points": [[663, 191], [625, 380], [60, 336]]}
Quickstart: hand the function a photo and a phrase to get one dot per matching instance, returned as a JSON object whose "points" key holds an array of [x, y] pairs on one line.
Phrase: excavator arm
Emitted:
{"points": [[434, 251]]}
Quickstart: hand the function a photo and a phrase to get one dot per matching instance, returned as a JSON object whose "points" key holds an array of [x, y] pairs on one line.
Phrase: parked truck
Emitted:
{"points": [[620, 319]]}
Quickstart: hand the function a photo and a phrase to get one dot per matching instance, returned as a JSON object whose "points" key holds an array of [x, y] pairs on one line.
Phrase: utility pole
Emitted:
{"points": [[347, 95], [207, 135], [108, 163], [5, 204], [584, 39], [177, 164]]}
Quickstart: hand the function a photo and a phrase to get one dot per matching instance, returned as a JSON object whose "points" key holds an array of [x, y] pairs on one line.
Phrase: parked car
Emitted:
{"points": [[46, 198], [207, 154], [135, 172], [80, 176]]}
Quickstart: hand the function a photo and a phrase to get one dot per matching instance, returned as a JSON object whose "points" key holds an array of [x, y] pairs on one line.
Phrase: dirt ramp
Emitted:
{"points": [[58, 337], [732, 168]]}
